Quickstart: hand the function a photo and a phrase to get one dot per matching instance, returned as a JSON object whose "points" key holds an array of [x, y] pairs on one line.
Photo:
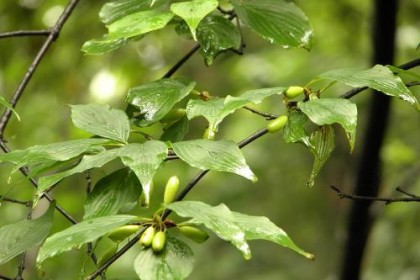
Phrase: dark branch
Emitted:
{"points": [[5, 278], [387, 200], [24, 33], [181, 61], [22, 263], [405, 66], [262, 114], [11, 200], [53, 35]]}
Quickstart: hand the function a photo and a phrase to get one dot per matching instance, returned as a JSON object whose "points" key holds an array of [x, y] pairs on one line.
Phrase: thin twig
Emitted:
{"points": [[22, 263], [11, 200], [387, 200], [405, 66], [24, 33], [53, 35], [2, 277], [181, 62], [398, 189], [265, 115]]}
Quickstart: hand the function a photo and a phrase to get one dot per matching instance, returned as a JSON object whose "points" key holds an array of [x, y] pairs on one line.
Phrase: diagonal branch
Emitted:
{"points": [[53, 35]]}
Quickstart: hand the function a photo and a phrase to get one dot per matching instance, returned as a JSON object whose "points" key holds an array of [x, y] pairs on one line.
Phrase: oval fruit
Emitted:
{"points": [[159, 241], [171, 190], [121, 233], [293, 92], [195, 234], [147, 237], [277, 124]]}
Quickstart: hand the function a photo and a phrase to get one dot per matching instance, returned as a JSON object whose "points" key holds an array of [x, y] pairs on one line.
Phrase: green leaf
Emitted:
{"points": [[176, 261], [156, 99], [262, 228], [177, 131], [322, 144], [102, 121], [115, 10], [193, 12], [139, 23], [17, 238], [295, 131], [118, 192], [8, 106], [144, 160], [222, 156], [87, 162], [219, 219], [102, 46], [379, 78], [216, 109], [47, 154], [79, 234], [217, 34], [278, 21], [333, 110]]}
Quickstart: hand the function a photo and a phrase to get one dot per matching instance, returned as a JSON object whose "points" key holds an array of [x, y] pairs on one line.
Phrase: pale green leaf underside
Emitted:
{"points": [[175, 262], [193, 12], [216, 109], [379, 78], [224, 156], [101, 120], [278, 21], [139, 23], [219, 219], [262, 228], [17, 238], [333, 110], [79, 234]]}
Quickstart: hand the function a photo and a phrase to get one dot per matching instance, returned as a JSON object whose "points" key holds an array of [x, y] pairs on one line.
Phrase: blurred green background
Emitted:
{"points": [[315, 218]]}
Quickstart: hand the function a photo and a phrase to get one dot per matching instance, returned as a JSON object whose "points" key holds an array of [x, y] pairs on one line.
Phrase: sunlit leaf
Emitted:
{"points": [[79, 234], [154, 100], [379, 78], [219, 219], [144, 160], [139, 23], [262, 228], [322, 144], [278, 21], [176, 261], [17, 238], [193, 12], [333, 110], [115, 193], [102, 121], [118, 9], [102, 46], [222, 156]]}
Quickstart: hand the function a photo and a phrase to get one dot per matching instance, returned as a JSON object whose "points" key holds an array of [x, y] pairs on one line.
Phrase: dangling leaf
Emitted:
{"points": [[278, 21], [295, 131], [193, 12], [333, 110], [176, 261], [322, 144], [222, 156], [17, 238]]}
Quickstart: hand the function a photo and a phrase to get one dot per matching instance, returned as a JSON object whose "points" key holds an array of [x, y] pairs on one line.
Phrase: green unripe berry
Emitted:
{"points": [[195, 234], [121, 233], [277, 124], [159, 241], [293, 92], [171, 190], [147, 237]]}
